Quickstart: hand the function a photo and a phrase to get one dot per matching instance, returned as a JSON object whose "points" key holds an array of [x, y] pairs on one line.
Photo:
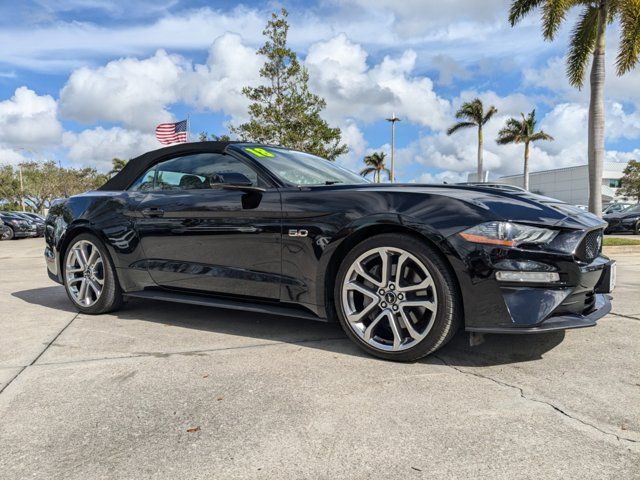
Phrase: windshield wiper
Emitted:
{"points": [[332, 182]]}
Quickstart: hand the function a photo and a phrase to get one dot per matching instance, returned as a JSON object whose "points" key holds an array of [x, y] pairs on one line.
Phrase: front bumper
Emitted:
{"points": [[602, 306], [578, 299]]}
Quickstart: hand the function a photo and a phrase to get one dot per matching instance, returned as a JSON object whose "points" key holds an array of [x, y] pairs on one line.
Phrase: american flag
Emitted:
{"points": [[168, 133]]}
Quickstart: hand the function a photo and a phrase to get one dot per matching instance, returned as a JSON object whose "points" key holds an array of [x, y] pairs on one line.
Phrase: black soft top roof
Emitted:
{"points": [[137, 166]]}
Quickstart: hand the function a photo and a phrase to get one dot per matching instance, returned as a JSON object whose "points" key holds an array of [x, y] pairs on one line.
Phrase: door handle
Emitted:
{"points": [[152, 212]]}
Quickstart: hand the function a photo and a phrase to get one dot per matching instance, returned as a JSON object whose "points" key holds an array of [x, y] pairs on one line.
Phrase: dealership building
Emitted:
{"points": [[571, 184]]}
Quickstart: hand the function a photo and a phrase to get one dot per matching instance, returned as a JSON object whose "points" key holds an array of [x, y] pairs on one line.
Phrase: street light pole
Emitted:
{"points": [[21, 188], [393, 120]]}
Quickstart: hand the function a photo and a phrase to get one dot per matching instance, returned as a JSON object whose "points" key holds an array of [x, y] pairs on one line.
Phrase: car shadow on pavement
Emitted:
{"points": [[499, 349], [494, 350], [50, 297]]}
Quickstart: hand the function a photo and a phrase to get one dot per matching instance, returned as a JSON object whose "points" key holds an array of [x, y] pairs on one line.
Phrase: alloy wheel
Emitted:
{"points": [[389, 299], [84, 273]]}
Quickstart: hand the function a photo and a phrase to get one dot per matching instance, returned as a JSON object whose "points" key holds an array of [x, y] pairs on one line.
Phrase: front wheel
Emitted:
{"points": [[397, 298], [8, 234], [89, 276], [636, 230]]}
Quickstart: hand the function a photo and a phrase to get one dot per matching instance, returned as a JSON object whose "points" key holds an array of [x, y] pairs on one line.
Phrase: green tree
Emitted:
{"points": [[375, 164], [117, 165], [283, 110], [522, 131], [588, 40], [43, 182], [9, 186], [631, 180], [473, 114], [206, 137]]}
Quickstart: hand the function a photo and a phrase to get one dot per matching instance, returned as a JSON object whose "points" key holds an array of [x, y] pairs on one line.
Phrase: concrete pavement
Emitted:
{"points": [[173, 391]]}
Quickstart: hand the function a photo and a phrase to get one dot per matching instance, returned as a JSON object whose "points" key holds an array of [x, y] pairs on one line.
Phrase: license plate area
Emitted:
{"points": [[608, 279]]}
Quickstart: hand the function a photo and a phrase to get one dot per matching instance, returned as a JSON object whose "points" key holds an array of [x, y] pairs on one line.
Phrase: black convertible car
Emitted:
{"points": [[267, 229]]}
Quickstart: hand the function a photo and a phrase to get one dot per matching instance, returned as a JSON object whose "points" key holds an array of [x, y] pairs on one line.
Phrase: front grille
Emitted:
{"points": [[591, 246]]}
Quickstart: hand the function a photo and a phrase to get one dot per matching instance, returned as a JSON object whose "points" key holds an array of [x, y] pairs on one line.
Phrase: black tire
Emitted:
{"points": [[10, 234], [636, 230], [110, 298], [449, 310]]}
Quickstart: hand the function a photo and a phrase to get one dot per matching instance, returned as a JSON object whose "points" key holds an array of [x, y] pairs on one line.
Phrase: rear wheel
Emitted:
{"points": [[396, 297], [89, 276], [636, 229]]}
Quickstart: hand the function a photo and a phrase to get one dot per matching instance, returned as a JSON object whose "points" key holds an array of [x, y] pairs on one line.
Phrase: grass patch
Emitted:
{"points": [[614, 242]]}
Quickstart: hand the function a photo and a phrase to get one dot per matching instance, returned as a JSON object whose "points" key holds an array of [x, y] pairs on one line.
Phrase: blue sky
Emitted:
{"points": [[84, 81]]}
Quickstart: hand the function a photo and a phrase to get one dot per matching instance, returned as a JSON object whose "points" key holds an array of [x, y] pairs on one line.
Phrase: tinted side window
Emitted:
{"points": [[191, 172]]}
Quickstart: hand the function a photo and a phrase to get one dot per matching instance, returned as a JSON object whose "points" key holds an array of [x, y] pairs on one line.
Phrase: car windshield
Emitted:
{"points": [[635, 209], [300, 168]]}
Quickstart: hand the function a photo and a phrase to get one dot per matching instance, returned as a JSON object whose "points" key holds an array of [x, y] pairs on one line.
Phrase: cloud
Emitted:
{"points": [[135, 92], [97, 147], [339, 72], [29, 120], [217, 84]]}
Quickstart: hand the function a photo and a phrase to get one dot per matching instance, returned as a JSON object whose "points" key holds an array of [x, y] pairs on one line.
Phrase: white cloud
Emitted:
{"points": [[339, 72], [29, 120], [9, 156], [217, 85], [97, 147], [135, 92], [441, 177]]}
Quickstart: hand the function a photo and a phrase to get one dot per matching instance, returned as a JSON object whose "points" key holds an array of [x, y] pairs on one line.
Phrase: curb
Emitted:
{"points": [[617, 249]]}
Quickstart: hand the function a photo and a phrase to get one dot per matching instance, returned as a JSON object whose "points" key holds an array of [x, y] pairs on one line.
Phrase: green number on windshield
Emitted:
{"points": [[259, 152]]}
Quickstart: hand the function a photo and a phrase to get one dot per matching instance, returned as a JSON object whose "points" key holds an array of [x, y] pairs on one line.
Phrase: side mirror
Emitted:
{"points": [[234, 181], [231, 178]]}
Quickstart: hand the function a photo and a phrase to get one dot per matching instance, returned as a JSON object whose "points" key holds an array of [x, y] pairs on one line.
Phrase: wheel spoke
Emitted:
{"points": [[79, 256], [384, 270], [426, 283], [96, 289], [93, 257], [403, 258], [369, 331], [360, 271], [82, 291], [363, 290], [75, 280], [419, 303], [409, 325], [393, 323]]}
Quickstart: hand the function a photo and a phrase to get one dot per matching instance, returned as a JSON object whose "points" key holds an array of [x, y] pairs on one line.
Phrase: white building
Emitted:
{"points": [[571, 184]]}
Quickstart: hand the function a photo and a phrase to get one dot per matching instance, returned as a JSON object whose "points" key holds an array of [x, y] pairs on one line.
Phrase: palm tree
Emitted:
{"points": [[522, 131], [117, 165], [473, 115], [588, 41], [375, 163]]}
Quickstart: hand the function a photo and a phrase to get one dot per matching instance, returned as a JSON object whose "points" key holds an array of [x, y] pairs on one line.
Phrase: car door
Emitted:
{"points": [[198, 236]]}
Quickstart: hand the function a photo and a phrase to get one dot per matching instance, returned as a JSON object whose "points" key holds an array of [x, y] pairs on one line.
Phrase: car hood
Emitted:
{"points": [[522, 207]]}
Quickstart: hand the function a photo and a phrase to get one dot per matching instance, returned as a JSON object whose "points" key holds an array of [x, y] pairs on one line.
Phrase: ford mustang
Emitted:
{"points": [[266, 229]]}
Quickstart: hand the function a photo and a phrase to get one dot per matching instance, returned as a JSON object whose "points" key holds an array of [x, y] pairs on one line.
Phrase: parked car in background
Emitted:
{"points": [[267, 229], [617, 207], [35, 218], [626, 221], [4, 231], [19, 227]]}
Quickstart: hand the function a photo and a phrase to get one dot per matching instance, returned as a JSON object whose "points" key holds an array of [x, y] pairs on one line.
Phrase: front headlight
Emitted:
{"points": [[508, 234]]}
